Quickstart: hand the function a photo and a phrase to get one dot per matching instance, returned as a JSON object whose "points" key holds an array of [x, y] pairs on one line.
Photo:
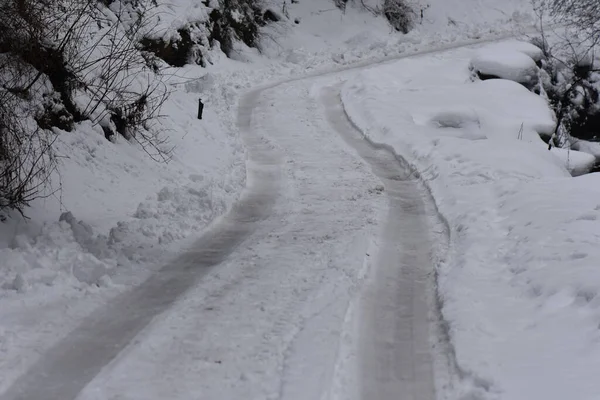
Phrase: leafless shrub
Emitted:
{"points": [[236, 19], [581, 14], [26, 157], [399, 14], [570, 74], [65, 61], [341, 4]]}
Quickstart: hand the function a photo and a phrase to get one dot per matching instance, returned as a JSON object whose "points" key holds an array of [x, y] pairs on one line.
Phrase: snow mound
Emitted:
{"points": [[514, 60], [577, 162], [592, 148], [495, 109], [505, 64], [67, 252], [520, 46], [72, 252]]}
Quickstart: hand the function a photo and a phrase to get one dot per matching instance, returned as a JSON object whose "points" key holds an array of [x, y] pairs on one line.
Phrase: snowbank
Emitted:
{"points": [[592, 148], [577, 162], [520, 285]]}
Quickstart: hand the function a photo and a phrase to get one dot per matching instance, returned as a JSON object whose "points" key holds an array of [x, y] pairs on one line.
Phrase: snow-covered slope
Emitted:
{"points": [[126, 208], [482, 16], [324, 33]]}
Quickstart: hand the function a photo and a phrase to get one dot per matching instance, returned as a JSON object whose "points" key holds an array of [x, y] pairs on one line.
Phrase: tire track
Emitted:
{"points": [[394, 343]]}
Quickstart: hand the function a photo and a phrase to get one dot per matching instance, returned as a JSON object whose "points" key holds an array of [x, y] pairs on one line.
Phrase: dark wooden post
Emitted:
{"points": [[200, 108]]}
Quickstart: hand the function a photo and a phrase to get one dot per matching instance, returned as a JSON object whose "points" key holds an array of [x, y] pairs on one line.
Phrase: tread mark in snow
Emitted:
{"points": [[394, 338]]}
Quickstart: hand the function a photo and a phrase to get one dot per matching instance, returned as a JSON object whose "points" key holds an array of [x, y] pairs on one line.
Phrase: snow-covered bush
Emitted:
{"points": [[581, 14], [176, 52], [217, 24], [236, 20], [341, 4], [26, 156], [573, 89], [570, 73], [400, 14]]}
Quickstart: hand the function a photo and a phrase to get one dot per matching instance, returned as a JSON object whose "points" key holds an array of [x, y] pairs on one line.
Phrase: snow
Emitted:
{"points": [[166, 17], [519, 286], [325, 35], [128, 216], [101, 179], [505, 64], [452, 19], [116, 190], [519, 46], [577, 162], [592, 148]]}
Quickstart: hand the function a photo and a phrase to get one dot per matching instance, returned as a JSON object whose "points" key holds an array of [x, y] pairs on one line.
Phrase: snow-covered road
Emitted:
{"points": [[317, 284]]}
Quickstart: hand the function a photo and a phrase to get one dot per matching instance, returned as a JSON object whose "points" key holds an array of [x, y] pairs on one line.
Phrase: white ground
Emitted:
{"points": [[284, 315]]}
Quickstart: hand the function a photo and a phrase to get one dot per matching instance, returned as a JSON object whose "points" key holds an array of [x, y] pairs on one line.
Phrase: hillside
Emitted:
{"points": [[113, 190]]}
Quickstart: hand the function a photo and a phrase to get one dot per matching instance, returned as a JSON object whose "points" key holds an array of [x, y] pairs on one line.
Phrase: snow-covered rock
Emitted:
{"points": [[592, 148], [505, 64], [577, 162]]}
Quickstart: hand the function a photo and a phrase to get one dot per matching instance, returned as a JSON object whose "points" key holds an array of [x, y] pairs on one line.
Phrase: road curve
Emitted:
{"points": [[394, 349]]}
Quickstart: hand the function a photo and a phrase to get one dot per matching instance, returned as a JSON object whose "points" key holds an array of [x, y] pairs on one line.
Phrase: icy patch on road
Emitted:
{"points": [[520, 292]]}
